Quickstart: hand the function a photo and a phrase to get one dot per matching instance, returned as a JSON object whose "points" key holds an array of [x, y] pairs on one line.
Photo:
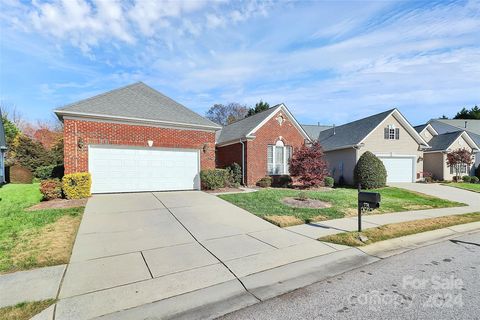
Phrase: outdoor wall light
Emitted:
{"points": [[80, 143], [150, 143], [205, 148]]}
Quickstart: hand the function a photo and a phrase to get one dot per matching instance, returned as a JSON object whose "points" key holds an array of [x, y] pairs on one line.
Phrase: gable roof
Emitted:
{"points": [[3, 141], [354, 133], [442, 142], [136, 103], [313, 130], [427, 126], [442, 127], [245, 128]]}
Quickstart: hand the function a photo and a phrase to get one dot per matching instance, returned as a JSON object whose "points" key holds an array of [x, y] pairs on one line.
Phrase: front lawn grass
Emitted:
{"points": [[395, 230], [30, 239], [268, 202], [475, 187], [25, 310]]}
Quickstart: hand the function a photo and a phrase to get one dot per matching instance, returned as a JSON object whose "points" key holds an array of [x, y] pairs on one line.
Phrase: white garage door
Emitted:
{"points": [[130, 169], [399, 169]]}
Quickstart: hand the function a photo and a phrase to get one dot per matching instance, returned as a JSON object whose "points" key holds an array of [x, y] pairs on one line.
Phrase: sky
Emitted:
{"points": [[330, 62]]}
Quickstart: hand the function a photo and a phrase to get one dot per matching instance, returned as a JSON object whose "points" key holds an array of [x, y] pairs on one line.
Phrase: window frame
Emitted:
{"points": [[286, 155]]}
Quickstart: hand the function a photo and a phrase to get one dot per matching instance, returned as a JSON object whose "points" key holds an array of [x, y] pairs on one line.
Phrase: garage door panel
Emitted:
{"points": [[126, 169], [399, 169]]}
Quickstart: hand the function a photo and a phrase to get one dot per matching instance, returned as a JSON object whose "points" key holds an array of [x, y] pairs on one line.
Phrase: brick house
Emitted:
{"points": [[261, 144], [136, 139]]}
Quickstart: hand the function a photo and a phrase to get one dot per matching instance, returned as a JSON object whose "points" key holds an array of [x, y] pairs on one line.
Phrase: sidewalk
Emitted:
{"points": [[325, 228]]}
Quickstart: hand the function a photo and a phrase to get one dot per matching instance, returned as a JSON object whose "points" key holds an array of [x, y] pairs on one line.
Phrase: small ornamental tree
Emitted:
{"points": [[459, 159], [370, 172], [308, 164]]}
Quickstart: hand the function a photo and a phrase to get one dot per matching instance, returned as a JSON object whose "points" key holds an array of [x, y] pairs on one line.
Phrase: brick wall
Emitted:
{"points": [[229, 154], [93, 132], [269, 133]]}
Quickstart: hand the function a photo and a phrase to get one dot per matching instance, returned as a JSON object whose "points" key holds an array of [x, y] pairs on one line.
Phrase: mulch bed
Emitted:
{"points": [[308, 203], [59, 204]]}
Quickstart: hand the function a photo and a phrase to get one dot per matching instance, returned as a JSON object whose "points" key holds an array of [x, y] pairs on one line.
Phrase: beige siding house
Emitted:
{"points": [[435, 158], [388, 135]]}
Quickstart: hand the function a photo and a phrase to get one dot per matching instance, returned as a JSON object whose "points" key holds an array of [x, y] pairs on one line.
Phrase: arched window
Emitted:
{"points": [[278, 158]]}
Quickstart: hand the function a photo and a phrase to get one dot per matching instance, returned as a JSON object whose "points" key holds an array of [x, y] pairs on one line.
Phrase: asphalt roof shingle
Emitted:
{"points": [[443, 141], [351, 133], [442, 127], [419, 128], [239, 129], [137, 101], [313, 131]]}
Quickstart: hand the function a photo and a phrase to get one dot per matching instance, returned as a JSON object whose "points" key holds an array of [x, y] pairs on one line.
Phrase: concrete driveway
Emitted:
{"points": [[181, 250]]}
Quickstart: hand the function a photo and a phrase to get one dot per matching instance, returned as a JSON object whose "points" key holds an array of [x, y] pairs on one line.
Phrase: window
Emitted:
{"points": [[463, 169], [392, 133], [278, 157]]}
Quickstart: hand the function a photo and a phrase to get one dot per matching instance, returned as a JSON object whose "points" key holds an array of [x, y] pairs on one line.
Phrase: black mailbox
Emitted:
{"points": [[371, 198]]}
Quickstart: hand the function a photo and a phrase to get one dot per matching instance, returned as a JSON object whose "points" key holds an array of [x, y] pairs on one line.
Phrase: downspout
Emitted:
{"points": [[243, 162]]}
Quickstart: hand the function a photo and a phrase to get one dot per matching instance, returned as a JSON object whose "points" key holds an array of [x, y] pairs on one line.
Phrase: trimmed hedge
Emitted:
{"points": [[474, 179], [467, 179], [265, 182], [328, 181], [51, 189], [370, 172], [77, 185], [213, 179]]}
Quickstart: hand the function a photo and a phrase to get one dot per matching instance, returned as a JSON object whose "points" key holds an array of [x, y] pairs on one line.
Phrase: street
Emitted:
{"points": [[441, 281]]}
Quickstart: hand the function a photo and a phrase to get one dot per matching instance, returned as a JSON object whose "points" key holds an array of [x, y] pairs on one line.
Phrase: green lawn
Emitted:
{"points": [[25, 310], [395, 230], [268, 202], [30, 239], [475, 187]]}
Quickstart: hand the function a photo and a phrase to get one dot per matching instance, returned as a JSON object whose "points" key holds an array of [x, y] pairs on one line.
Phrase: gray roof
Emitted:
{"points": [[442, 141], [420, 127], [3, 142], [352, 133], [313, 130], [137, 101], [443, 127], [471, 125], [239, 129]]}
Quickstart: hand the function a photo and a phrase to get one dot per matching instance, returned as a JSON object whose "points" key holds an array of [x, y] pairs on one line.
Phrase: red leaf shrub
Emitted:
{"points": [[51, 189], [309, 166], [458, 159]]}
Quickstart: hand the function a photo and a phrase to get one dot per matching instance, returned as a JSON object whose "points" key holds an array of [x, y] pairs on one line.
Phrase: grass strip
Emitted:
{"points": [[25, 310], [395, 230]]}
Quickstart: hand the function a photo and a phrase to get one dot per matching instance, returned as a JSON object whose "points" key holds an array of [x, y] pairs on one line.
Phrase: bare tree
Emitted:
{"points": [[226, 114]]}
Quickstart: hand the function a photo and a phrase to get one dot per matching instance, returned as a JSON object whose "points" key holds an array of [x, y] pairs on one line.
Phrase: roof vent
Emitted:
{"points": [[466, 124], [334, 129]]}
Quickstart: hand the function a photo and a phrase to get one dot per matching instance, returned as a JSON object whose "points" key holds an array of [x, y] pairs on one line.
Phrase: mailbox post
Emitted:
{"points": [[366, 200]]}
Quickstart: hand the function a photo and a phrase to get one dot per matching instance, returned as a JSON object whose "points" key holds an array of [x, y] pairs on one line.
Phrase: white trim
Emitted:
{"points": [[406, 125], [394, 155], [132, 119], [284, 147], [431, 129], [287, 112], [467, 138]]}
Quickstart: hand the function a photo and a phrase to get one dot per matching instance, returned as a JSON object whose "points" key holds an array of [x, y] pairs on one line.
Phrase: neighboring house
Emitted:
{"points": [[261, 144], [472, 127], [388, 135], [435, 158], [3, 150], [136, 139]]}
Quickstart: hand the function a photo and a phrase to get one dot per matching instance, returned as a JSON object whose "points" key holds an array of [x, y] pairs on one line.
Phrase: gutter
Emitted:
{"points": [[243, 162]]}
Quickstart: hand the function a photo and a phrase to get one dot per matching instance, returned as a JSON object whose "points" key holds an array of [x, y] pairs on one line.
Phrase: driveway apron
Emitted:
{"points": [[138, 248]]}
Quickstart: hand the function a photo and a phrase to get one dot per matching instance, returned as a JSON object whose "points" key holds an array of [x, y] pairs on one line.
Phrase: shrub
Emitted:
{"points": [[341, 181], [29, 153], [51, 189], [466, 179], [302, 196], [47, 172], [428, 179], [77, 185], [236, 172], [282, 181], [474, 179], [215, 178], [370, 172], [308, 164], [19, 174], [329, 182], [265, 182]]}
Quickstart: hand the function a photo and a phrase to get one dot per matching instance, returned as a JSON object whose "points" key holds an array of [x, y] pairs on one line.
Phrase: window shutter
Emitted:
{"points": [[397, 133], [386, 131]]}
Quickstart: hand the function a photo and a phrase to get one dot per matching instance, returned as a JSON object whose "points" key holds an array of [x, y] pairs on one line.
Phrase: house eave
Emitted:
{"points": [[61, 113]]}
